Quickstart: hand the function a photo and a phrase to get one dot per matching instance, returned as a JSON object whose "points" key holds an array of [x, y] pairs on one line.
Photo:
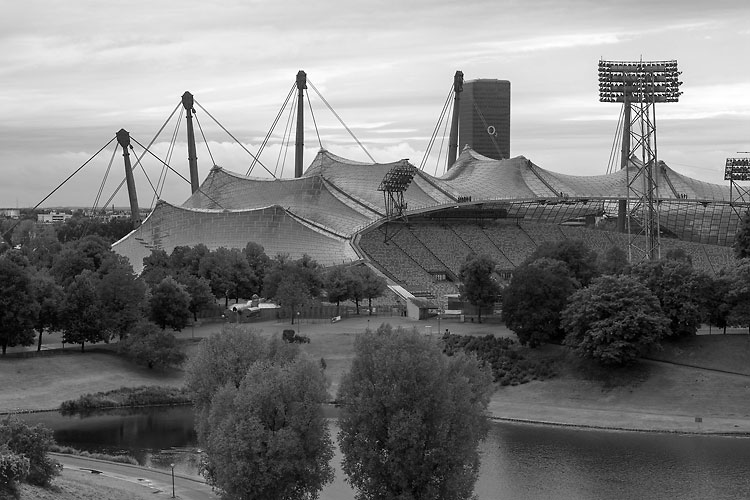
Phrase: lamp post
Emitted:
{"points": [[172, 466]]}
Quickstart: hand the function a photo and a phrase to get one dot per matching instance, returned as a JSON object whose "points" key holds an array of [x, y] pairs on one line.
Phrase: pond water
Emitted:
{"points": [[519, 461]]}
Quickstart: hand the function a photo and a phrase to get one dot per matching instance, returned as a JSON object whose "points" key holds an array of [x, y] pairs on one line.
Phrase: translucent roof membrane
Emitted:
{"points": [[273, 227]]}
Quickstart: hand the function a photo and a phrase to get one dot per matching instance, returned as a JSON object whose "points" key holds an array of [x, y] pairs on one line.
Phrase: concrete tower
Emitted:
{"points": [[485, 118]]}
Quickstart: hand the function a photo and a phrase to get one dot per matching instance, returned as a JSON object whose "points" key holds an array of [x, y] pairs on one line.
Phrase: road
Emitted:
{"points": [[185, 487]]}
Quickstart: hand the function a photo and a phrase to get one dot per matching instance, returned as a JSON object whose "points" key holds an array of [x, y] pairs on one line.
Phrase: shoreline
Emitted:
{"points": [[493, 417]]}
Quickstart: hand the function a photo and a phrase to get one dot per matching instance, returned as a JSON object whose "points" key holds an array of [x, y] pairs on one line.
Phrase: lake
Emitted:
{"points": [[519, 461]]}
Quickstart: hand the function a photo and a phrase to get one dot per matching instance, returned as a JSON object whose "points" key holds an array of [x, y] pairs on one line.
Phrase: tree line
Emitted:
{"points": [[91, 294], [605, 308]]}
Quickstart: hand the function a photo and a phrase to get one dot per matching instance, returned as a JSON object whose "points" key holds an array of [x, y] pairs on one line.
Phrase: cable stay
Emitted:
{"points": [[433, 137], [285, 139], [6, 234], [233, 137], [270, 131], [340, 120], [315, 124], [176, 172], [484, 124], [104, 181], [613, 165]]}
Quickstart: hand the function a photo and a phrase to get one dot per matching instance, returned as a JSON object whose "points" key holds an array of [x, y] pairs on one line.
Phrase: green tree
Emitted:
{"points": [[14, 469], [678, 288], [48, 295], [199, 289], [34, 443], [580, 259], [738, 295], [614, 320], [293, 284], [149, 345], [614, 261], [259, 417], [411, 418], [477, 285], [169, 305], [122, 295], [269, 438], [81, 311], [258, 261], [336, 285], [534, 299], [373, 286], [156, 267], [88, 253], [18, 309], [741, 243], [224, 358]]}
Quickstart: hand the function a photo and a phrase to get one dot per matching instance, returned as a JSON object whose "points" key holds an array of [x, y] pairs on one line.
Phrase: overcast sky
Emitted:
{"points": [[74, 72]]}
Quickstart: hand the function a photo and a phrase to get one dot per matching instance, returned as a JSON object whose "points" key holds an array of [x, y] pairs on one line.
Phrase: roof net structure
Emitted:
{"points": [[336, 199]]}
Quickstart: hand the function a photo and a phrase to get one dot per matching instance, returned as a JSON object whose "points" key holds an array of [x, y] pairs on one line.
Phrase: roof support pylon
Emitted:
{"points": [[458, 87], [187, 103], [123, 139], [300, 141]]}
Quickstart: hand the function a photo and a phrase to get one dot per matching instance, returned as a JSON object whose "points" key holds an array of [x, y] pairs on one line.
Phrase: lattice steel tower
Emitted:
{"points": [[639, 85]]}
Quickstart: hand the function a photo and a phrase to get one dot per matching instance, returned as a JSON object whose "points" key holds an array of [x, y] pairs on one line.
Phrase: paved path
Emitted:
{"points": [[154, 480]]}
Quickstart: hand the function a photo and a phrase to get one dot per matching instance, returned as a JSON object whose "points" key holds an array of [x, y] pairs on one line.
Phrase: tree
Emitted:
{"points": [[88, 253], [373, 286], [677, 286], [169, 305], [48, 295], [122, 295], [614, 320], [534, 299], [293, 283], [81, 311], [614, 261], [269, 438], [33, 443], [336, 285], [156, 267], [741, 243], [477, 285], [411, 418], [18, 309], [259, 417], [738, 295], [149, 345], [258, 261], [199, 289], [580, 259]]}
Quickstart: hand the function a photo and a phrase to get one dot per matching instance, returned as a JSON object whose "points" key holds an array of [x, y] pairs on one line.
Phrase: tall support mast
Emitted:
{"points": [[187, 103], [622, 209], [639, 85], [458, 87], [300, 142], [123, 138]]}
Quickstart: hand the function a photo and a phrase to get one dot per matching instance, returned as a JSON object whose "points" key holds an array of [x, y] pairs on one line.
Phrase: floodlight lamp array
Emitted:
{"points": [[398, 178], [639, 81], [737, 169]]}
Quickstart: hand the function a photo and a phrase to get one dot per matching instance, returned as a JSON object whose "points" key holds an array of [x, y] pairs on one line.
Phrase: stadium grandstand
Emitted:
{"points": [[336, 214]]}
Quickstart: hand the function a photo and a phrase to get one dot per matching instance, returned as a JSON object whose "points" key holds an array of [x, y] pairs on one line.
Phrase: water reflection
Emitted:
{"points": [[519, 462]]}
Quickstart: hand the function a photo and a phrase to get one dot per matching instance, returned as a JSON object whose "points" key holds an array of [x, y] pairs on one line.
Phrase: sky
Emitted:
{"points": [[72, 73]]}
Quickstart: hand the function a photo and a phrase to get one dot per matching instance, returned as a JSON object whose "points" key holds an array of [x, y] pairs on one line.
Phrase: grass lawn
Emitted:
{"points": [[650, 395]]}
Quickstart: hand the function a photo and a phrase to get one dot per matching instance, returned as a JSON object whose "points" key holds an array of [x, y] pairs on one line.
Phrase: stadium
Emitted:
{"points": [[338, 212]]}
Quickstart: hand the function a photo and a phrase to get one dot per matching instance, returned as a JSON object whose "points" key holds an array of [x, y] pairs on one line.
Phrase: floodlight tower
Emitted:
{"points": [[738, 169], [639, 85], [395, 182]]}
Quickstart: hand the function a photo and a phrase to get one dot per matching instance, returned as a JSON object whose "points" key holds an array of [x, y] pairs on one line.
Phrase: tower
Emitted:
{"points": [[484, 120]]}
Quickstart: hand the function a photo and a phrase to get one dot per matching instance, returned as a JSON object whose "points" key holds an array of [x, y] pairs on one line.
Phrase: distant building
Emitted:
{"points": [[53, 217], [484, 118], [10, 213]]}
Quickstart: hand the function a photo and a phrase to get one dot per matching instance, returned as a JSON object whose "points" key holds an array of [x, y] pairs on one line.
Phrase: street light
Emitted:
{"points": [[172, 466]]}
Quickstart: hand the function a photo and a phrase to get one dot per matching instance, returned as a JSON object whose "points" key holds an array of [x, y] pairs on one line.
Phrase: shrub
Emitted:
{"points": [[33, 443], [13, 470]]}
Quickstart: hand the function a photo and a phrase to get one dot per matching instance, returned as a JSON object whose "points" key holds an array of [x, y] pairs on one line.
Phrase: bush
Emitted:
{"points": [[127, 397], [33, 443], [13, 470], [509, 366]]}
